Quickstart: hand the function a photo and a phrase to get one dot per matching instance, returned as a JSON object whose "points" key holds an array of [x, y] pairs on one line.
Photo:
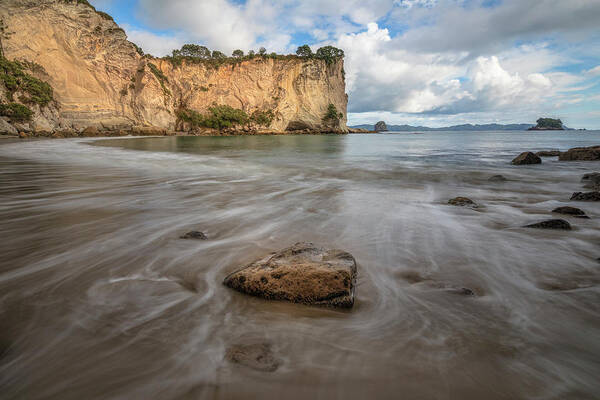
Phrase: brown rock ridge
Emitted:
{"points": [[100, 80]]}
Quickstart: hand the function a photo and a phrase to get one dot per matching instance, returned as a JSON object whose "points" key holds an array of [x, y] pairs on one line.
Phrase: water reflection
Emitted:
{"points": [[100, 299]]}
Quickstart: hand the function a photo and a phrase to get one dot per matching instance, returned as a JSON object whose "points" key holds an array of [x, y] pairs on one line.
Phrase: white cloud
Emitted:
{"points": [[594, 71]]}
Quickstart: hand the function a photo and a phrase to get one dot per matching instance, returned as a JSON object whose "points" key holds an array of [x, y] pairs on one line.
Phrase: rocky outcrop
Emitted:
{"points": [[548, 153], [560, 224], [462, 202], [588, 196], [100, 80], [526, 158], [581, 154], [573, 211], [303, 274], [380, 127]]}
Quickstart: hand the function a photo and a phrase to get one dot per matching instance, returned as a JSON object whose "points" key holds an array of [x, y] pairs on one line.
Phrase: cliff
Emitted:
{"points": [[99, 80]]}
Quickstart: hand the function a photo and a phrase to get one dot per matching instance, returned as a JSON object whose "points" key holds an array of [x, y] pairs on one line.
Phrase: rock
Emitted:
{"points": [[464, 291], [497, 178], [380, 127], [148, 131], [462, 201], [90, 131], [581, 154], [23, 135], [5, 127], [526, 158], [551, 224], [592, 180], [548, 153], [587, 196], [303, 274], [576, 212], [194, 235], [255, 356]]}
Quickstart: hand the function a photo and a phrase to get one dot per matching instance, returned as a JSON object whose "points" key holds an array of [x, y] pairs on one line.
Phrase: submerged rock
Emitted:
{"points": [[462, 201], [587, 196], [255, 356], [551, 224], [576, 212], [303, 274], [194, 235], [548, 153], [581, 154], [591, 180], [498, 178], [526, 158]]}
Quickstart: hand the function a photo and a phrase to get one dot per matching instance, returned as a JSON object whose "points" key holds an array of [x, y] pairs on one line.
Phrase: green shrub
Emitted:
{"points": [[162, 79], [263, 118], [332, 117], [16, 111], [14, 78], [217, 117], [138, 49]]}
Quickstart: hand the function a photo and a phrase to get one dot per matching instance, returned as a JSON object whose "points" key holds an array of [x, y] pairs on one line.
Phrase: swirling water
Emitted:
{"points": [[100, 299]]}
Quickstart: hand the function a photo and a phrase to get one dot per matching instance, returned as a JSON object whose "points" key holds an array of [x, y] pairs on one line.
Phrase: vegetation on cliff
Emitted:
{"points": [[16, 112], [193, 53], [224, 116], [332, 116], [31, 90]]}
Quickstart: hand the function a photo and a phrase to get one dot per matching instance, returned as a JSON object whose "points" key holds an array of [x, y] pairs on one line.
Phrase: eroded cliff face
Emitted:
{"points": [[100, 80]]}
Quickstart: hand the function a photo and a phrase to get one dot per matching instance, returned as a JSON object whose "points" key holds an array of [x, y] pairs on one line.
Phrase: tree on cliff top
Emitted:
{"points": [[238, 53], [192, 50], [304, 51], [329, 54]]}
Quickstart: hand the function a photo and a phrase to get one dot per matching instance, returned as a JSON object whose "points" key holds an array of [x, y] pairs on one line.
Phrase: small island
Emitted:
{"points": [[548, 124]]}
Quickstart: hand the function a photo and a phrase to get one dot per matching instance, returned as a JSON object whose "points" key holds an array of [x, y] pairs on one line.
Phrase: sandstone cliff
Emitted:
{"points": [[99, 79]]}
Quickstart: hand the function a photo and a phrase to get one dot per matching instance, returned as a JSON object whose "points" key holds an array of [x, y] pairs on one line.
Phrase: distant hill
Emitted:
{"points": [[464, 127]]}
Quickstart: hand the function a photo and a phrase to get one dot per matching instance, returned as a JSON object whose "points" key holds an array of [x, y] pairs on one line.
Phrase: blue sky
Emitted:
{"points": [[420, 62]]}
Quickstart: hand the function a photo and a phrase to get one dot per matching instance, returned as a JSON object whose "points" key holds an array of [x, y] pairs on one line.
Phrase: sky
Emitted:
{"points": [[417, 62]]}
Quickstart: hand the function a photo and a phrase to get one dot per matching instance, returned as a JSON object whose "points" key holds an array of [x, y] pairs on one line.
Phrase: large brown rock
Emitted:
{"points": [[581, 154], [303, 274], [526, 158]]}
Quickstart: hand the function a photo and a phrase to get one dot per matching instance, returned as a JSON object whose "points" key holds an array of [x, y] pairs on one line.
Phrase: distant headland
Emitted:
{"points": [[542, 125]]}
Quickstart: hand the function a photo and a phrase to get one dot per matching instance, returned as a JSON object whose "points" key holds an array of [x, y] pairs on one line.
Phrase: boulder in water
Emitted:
{"points": [[462, 201], [591, 180], [587, 196], [551, 224], [526, 158], [581, 154], [575, 212], [303, 274], [497, 178], [194, 235], [255, 356]]}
